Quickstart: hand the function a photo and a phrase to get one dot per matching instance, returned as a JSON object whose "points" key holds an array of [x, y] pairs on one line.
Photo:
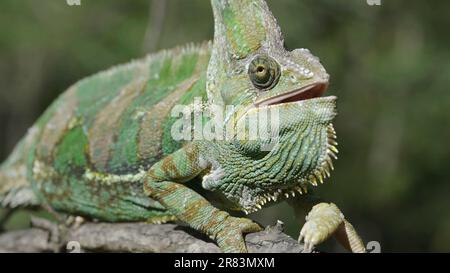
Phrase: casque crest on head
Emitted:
{"points": [[238, 35]]}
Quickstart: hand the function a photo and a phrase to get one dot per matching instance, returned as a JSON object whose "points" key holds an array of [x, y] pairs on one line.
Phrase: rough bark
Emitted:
{"points": [[134, 237]]}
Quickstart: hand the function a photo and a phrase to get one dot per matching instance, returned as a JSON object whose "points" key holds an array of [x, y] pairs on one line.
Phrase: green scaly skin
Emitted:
{"points": [[104, 148]]}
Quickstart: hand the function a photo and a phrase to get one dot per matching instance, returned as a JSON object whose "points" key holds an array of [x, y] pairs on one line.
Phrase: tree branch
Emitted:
{"points": [[135, 237]]}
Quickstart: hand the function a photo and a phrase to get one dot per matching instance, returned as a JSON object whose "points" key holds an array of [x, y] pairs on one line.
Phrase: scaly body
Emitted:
{"points": [[105, 148]]}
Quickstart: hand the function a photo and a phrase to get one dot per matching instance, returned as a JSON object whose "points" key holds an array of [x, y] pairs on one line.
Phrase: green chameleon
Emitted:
{"points": [[104, 149]]}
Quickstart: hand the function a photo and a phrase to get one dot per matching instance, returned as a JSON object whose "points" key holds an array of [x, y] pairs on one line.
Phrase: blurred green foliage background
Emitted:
{"points": [[389, 66]]}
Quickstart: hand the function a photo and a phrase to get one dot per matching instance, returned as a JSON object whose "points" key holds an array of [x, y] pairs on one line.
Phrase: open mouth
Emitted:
{"points": [[308, 92]]}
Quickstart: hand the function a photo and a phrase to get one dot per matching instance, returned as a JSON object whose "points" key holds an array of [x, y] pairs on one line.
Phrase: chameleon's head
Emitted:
{"points": [[251, 70], [249, 65]]}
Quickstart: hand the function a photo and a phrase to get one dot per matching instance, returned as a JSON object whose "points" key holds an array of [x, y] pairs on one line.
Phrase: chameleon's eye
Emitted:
{"points": [[264, 72]]}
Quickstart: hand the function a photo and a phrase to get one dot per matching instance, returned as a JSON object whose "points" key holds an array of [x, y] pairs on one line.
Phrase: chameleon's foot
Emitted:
{"points": [[325, 220], [321, 222], [230, 237]]}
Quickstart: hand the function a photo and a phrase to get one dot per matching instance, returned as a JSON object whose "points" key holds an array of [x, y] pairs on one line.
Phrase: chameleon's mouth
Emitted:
{"points": [[311, 91]]}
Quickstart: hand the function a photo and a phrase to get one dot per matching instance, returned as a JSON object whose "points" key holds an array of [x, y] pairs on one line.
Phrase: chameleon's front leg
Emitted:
{"points": [[323, 221], [164, 183]]}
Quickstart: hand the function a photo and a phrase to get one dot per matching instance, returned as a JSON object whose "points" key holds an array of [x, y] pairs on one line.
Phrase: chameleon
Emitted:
{"points": [[104, 149]]}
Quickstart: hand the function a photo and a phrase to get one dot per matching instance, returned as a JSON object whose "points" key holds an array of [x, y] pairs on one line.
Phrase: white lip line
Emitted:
{"points": [[281, 97]]}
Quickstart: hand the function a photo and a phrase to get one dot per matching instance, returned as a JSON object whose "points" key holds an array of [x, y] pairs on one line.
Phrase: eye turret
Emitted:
{"points": [[264, 72]]}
